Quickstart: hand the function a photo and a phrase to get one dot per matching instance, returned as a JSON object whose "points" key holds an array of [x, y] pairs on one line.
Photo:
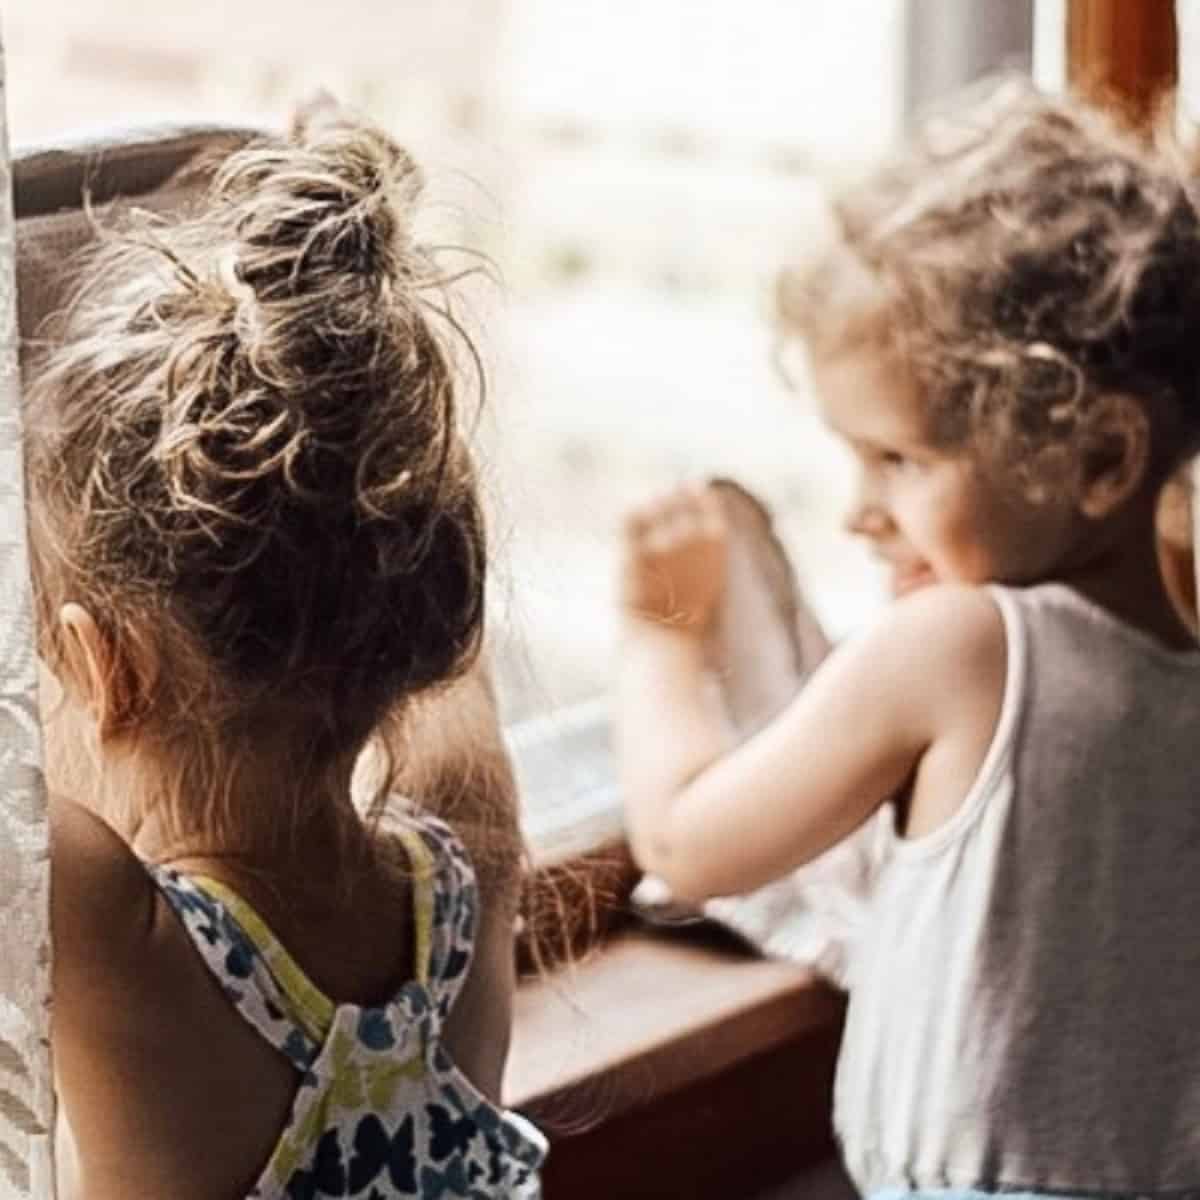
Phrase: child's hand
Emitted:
{"points": [[675, 556]]}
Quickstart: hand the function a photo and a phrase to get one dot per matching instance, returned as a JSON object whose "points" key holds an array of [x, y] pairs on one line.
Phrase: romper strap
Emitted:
{"points": [[308, 1005], [446, 899], [271, 990], [424, 877], [261, 979]]}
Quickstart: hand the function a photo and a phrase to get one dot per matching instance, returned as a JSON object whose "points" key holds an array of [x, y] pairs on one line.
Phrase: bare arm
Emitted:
{"points": [[454, 762], [452, 735], [450, 757], [479, 1028], [102, 913], [713, 819]]}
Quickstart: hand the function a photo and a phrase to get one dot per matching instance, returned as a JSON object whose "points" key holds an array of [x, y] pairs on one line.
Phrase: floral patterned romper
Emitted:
{"points": [[381, 1111]]}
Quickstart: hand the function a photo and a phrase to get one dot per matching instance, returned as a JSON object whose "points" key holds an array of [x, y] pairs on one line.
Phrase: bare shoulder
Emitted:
{"points": [[480, 1024], [932, 657], [102, 899], [479, 1027], [948, 628], [961, 615]]}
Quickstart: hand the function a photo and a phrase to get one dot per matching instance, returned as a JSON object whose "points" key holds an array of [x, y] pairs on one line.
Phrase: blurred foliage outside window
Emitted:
{"points": [[635, 171]]}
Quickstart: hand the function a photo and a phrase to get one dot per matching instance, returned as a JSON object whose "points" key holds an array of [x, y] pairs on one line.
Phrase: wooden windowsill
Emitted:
{"points": [[663, 1064], [650, 1013], [675, 1057]]}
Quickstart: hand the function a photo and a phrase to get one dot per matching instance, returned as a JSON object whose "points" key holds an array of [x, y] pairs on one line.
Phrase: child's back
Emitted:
{"points": [[1022, 1006], [256, 538]]}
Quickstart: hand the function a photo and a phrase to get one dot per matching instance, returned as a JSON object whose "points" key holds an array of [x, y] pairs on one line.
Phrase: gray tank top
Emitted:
{"points": [[1025, 1004]]}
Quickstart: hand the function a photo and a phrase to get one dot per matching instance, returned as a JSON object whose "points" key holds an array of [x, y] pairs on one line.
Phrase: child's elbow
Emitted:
{"points": [[658, 855]]}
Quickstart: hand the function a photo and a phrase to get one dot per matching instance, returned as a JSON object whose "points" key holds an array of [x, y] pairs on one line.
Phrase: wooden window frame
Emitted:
{"points": [[1123, 56], [680, 1066]]}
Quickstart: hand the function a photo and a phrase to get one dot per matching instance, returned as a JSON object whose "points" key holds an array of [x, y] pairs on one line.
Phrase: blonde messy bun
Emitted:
{"points": [[246, 442]]}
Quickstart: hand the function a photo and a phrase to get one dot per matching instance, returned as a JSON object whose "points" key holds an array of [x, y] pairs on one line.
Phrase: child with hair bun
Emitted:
{"points": [[1006, 335], [257, 543]]}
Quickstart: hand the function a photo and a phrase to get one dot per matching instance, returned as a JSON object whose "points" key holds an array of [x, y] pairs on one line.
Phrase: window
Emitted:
{"points": [[634, 180], [637, 177]]}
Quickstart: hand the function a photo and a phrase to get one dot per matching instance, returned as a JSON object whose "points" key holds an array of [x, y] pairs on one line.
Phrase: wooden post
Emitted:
{"points": [[1123, 54]]}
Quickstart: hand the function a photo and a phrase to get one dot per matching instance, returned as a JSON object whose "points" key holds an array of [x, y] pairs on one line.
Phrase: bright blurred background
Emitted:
{"points": [[637, 171]]}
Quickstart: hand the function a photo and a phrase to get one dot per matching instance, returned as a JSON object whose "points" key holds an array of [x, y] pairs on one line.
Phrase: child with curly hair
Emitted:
{"points": [[257, 543], [1005, 336]]}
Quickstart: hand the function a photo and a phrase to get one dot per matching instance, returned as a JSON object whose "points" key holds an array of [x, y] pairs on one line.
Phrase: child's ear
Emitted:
{"points": [[101, 680], [1114, 456]]}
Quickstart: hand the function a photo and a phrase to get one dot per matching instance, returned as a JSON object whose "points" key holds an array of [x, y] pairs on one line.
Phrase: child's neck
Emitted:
{"points": [[268, 828], [1121, 574]]}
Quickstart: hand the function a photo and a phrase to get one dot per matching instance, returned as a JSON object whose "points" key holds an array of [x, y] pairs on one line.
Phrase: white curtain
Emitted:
{"points": [[26, 1090]]}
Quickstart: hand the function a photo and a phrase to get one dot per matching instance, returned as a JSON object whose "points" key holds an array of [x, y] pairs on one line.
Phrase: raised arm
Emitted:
{"points": [[713, 819], [454, 762], [449, 755]]}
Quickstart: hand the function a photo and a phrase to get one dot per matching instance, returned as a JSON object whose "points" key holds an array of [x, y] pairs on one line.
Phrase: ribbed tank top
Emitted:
{"points": [[1025, 1003]]}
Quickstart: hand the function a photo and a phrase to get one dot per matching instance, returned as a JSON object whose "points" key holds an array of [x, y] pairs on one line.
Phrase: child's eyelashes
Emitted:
{"points": [[896, 462], [885, 459]]}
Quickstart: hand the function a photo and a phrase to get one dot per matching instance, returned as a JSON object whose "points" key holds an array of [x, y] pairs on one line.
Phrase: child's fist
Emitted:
{"points": [[675, 556]]}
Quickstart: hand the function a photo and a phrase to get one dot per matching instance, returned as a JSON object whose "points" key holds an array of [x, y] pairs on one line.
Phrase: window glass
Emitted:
{"points": [[636, 172]]}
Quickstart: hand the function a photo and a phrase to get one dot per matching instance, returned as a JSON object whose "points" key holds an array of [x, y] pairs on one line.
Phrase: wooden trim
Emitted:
{"points": [[1123, 54], [634, 1013], [675, 1066], [762, 1121]]}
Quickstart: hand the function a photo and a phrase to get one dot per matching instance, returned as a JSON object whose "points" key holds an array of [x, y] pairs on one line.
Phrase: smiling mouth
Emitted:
{"points": [[910, 578]]}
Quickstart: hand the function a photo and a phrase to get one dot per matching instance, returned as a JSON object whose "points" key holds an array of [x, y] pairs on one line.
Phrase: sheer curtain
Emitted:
{"points": [[26, 1091]]}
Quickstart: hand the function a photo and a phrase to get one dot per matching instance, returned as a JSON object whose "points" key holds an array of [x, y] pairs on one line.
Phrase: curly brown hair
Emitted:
{"points": [[246, 463], [1024, 257]]}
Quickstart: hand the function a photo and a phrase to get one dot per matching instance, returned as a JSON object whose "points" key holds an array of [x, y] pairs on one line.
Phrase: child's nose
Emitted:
{"points": [[867, 516], [867, 521]]}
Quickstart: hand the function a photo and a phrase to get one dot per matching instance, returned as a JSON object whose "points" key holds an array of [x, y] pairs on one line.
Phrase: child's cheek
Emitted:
{"points": [[67, 760], [954, 552], [50, 691]]}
